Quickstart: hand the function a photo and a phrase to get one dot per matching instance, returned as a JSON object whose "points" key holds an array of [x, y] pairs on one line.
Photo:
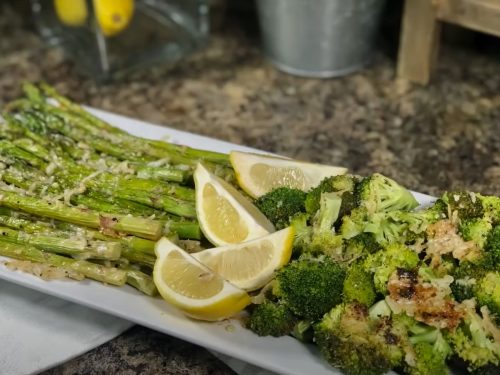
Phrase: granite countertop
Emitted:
{"points": [[443, 136]]}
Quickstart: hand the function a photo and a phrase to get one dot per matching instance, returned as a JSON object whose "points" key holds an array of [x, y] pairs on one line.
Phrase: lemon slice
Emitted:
{"points": [[192, 287], [259, 174], [225, 215], [250, 265]]}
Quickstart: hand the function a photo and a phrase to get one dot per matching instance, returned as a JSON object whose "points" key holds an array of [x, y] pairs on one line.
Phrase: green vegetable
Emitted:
{"points": [[474, 342], [384, 262], [466, 205], [310, 287], [271, 319], [281, 204], [358, 344], [378, 193], [358, 286]]}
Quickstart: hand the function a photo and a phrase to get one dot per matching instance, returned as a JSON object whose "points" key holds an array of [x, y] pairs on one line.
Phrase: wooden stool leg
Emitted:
{"points": [[419, 40]]}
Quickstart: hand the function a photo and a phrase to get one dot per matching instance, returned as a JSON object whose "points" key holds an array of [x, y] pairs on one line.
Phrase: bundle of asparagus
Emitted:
{"points": [[82, 196]]}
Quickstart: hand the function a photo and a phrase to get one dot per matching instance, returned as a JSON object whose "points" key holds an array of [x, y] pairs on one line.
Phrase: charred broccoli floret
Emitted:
{"points": [[464, 204], [378, 193], [349, 338], [476, 341], [358, 286], [310, 287], [383, 263], [271, 319], [281, 204]]}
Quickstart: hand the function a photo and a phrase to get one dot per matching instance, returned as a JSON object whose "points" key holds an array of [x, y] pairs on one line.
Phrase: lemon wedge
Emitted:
{"points": [[224, 214], [113, 16], [192, 287], [259, 174], [250, 265], [71, 12]]}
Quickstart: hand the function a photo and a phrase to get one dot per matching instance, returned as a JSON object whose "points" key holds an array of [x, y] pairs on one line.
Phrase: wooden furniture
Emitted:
{"points": [[421, 26]]}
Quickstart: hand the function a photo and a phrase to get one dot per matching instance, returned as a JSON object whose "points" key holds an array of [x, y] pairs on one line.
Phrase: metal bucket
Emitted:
{"points": [[319, 38]]}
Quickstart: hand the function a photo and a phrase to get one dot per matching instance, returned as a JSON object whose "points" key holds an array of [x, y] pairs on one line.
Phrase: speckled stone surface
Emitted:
{"points": [[432, 138], [142, 351], [443, 136]]}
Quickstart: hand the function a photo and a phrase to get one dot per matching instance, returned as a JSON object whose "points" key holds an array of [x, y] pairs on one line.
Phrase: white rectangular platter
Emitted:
{"points": [[283, 355]]}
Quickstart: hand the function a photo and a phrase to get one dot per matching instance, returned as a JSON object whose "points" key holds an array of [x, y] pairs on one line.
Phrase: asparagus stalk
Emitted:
{"points": [[77, 247], [108, 275], [148, 192], [141, 281], [100, 126], [138, 257], [25, 225], [140, 227]]}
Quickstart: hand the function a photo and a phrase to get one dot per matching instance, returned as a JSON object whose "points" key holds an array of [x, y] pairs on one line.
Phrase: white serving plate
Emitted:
{"points": [[283, 355]]}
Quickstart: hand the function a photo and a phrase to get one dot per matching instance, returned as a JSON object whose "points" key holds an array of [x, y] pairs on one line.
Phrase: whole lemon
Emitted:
{"points": [[71, 12], [113, 16]]}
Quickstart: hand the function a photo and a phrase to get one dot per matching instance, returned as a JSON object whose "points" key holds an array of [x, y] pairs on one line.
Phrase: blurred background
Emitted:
{"points": [[229, 80]]}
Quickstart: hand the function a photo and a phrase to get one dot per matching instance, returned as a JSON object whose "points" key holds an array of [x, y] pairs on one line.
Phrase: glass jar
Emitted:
{"points": [[107, 38]]}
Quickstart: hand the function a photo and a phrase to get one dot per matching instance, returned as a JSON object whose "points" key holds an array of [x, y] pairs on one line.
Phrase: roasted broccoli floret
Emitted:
{"points": [[476, 340], [391, 226], [354, 223], [465, 278], [464, 204], [349, 338], [401, 226], [476, 230], [378, 193], [487, 292], [303, 232], [310, 287], [477, 281], [358, 286], [339, 184], [430, 351], [328, 212], [281, 204], [384, 262], [491, 207], [319, 237], [303, 331], [271, 319], [492, 248], [360, 246], [323, 238]]}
